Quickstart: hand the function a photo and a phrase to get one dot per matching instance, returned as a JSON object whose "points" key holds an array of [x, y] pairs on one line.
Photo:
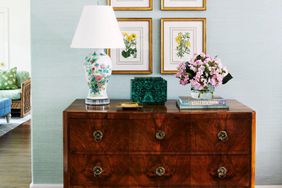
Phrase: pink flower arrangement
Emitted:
{"points": [[203, 72]]}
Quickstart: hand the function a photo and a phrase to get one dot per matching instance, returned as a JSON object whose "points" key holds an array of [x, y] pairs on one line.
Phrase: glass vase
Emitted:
{"points": [[206, 94]]}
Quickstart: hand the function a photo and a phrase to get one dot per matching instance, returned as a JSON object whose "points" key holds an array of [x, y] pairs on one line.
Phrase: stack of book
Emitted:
{"points": [[188, 103]]}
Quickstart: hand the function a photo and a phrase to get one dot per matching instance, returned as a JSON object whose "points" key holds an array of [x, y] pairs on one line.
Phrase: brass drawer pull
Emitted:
{"points": [[98, 135], [222, 136], [97, 171], [222, 172], [160, 135], [160, 171]]}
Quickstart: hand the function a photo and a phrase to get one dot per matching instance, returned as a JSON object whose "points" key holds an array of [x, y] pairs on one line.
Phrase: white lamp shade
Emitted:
{"points": [[98, 29]]}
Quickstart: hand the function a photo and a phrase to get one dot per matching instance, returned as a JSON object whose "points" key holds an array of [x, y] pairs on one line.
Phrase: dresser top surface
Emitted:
{"points": [[170, 107]]}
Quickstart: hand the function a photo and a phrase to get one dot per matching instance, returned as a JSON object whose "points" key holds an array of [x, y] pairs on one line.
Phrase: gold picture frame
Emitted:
{"points": [[203, 38], [149, 52], [204, 7], [149, 8]]}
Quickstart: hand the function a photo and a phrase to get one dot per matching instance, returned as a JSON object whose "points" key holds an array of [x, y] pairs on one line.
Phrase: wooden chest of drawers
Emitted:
{"points": [[158, 146]]}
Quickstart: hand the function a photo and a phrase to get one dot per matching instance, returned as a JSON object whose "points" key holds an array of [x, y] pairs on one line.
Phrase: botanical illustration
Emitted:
{"points": [[130, 45], [183, 44]]}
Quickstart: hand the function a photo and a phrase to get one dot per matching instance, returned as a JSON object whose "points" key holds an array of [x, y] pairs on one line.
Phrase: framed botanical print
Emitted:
{"points": [[131, 4], [183, 4], [136, 57], [181, 38]]}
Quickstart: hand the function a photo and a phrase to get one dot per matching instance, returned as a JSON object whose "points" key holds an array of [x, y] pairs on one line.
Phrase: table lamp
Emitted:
{"points": [[98, 29]]}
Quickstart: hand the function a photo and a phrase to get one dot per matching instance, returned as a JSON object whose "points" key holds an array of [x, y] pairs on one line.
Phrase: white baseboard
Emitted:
{"points": [[61, 186], [46, 185]]}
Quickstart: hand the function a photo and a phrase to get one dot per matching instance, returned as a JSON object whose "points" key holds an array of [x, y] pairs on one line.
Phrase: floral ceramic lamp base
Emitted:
{"points": [[98, 67]]}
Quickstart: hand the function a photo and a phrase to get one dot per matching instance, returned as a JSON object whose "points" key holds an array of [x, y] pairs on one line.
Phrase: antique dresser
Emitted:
{"points": [[158, 146]]}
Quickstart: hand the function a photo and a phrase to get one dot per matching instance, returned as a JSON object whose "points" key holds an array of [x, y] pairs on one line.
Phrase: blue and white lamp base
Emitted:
{"points": [[98, 67]]}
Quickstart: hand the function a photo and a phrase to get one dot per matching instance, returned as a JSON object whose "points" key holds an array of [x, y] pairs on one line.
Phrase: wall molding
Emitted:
{"points": [[46, 185], [61, 186], [4, 29]]}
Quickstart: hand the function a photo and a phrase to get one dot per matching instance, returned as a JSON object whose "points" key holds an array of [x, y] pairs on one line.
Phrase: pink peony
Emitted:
{"points": [[196, 85]]}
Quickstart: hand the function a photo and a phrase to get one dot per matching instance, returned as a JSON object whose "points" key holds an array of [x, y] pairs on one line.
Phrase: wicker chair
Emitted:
{"points": [[22, 106]]}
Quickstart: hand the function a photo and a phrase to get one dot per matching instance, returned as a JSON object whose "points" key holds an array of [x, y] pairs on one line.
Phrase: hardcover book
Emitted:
{"points": [[185, 102]]}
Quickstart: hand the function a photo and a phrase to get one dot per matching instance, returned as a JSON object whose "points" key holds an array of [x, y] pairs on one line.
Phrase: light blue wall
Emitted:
{"points": [[247, 36]]}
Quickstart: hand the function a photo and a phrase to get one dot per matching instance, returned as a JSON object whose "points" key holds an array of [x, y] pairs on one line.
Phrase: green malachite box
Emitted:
{"points": [[149, 90]]}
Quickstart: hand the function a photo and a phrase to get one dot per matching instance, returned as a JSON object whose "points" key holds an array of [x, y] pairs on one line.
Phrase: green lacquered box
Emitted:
{"points": [[149, 90]]}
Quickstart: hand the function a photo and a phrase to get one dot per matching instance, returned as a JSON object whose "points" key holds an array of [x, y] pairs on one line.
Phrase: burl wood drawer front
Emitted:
{"points": [[221, 135], [220, 171], [129, 171], [163, 133], [124, 135], [98, 135]]}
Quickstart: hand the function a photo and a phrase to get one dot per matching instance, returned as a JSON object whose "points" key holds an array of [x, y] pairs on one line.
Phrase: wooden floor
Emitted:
{"points": [[15, 158]]}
